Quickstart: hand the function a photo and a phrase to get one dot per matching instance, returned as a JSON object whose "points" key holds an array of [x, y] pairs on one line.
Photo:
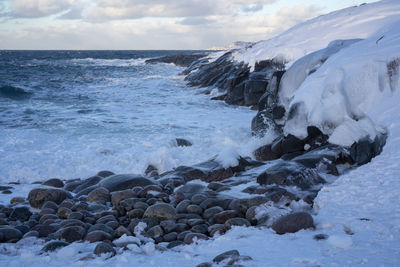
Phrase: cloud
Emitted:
{"points": [[156, 33], [38, 8]]}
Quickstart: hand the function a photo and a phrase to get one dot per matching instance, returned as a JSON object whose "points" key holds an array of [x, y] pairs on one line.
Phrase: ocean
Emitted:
{"points": [[70, 114]]}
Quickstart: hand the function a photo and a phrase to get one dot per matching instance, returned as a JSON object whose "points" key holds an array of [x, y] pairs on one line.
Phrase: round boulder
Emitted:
{"points": [[292, 223], [161, 212], [38, 196]]}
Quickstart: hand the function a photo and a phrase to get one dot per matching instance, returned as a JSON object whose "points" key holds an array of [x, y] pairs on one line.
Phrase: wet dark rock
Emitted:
{"points": [[72, 222], [236, 222], [124, 181], [182, 206], [9, 233], [191, 237], [150, 188], [87, 183], [200, 228], [290, 174], [292, 223], [17, 200], [182, 60], [103, 248], [210, 212], [265, 153], [170, 237], [216, 229], [278, 194], [198, 198], [181, 227], [22, 228], [141, 205], [183, 142], [168, 226], [80, 206], [50, 205], [6, 192], [47, 216], [117, 196], [97, 235], [175, 244], [47, 211], [151, 171], [70, 186], [75, 215], [67, 203], [3, 221], [54, 245], [194, 209], [99, 195], [113, 224], [136, 213], [121, 230], [242, 205], [20, 214], [222, 217], [156, 232], [204, 264], [44, 230], [5, 187], [320, 237], [104, 174], [226, 255], [160, 211], [208, 203], [365, 149], [71, 233], [103, 228], [253, 90], [150, 222], [55, 182], [39, 196], [105, 219], [31, 234], [190, 189], [193, 222]]}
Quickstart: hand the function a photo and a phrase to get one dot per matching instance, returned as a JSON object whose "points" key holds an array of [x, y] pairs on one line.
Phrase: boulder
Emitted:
{"points": [[9, 233], [182, 142], [292, 223], [54, 245], [94, 180], [99, 195], [55, 182], [20, 214], [103, 248], [117, 196], [71, 233], [38, 196], [124, 181], [160, 211], [191, 237], [97, 235]]}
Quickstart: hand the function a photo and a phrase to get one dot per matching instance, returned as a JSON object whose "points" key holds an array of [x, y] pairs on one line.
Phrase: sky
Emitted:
{"points": [[151, 24]]}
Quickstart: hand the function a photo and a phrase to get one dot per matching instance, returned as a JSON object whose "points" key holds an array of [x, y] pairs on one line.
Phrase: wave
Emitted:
{"points": [[109, 62], [12, 92]]}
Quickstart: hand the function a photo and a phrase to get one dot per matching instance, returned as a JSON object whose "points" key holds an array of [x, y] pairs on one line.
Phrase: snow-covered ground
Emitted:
{"points": [[359, 212]]}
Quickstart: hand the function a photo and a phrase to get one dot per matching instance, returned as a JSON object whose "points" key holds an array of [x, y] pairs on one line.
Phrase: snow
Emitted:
{"points": [[342, 96], [350, 23]]}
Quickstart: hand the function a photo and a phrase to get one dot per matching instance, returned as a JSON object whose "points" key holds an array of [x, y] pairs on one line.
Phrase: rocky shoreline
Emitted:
{"points": [[171, 209]]}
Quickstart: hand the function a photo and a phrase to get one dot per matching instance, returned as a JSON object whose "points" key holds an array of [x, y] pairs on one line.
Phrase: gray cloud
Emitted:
{"points": [[38, 8], [253, 8]]}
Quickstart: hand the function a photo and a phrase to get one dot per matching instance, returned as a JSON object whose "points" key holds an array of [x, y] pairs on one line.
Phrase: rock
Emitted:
{"points": [[71, 185], [31, 234], [216, 228], [194, 209], [97, 235], [47, 217], [182, 60], [105, 174], [156, 232], [44, 230], [290, 174], [242, 205], [265, 153], [182, 206], [292, 223], [154, 189], [121, 230], [38, 196], [117, 196], [175, 244], [102, 227], [6, 192], [54, 245], [204, 264], [124, 181], [87, 183], [160, 211], [54, 183], [210, 212], [46, 211], [106, 219], [190, 189], [200, 228], [320, 237], [168, 226], [9, 233], [99, 195], [226, 255], [151, 171], [76, 215], [103, 248], [68, 203], [170, 237], [3, 221], [364, 150], [71, 233], [113, 224], [236, 222], [136, 213], [198, 198], [16, 200], [222, 217], [50, 205], [20, 214], [182, 142], [251, 215], [191, 237], [253, 90]]}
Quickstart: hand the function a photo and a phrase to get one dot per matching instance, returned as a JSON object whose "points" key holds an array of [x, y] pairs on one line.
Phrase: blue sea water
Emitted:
{"points": [[69, 114]]}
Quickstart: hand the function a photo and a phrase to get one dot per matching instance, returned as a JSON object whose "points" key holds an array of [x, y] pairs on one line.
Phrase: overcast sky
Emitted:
{"points": [[150, 24]]}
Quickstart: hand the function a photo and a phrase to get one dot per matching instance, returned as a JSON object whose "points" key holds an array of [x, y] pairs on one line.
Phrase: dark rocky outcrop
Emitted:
{"points": [[182, 60], [293, 222]]}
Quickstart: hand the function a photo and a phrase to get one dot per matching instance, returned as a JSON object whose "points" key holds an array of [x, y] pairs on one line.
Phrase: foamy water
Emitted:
{"points": [[87, 114]]}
